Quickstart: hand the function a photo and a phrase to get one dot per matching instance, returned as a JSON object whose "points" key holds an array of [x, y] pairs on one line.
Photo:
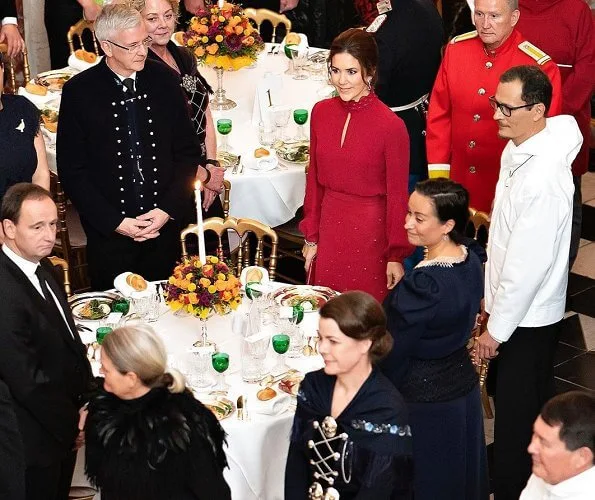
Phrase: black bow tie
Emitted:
{"points": [[129, 84]]}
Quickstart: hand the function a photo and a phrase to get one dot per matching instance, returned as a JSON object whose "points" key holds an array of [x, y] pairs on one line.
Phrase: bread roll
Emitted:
{"points": [[33, 88], [260, 152], [137, 282], [254, 275], [293, 39], [266, 394]]}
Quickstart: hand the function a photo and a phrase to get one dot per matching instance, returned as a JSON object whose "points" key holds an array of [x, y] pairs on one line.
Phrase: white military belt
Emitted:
{"points": [[411, 105]]}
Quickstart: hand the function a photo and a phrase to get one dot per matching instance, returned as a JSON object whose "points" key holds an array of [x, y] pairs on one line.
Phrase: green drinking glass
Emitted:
{"points": [[121, 305], [300, 116], [224, 127], [297, 314], [280, 346], [220, 362], [101, 333]]}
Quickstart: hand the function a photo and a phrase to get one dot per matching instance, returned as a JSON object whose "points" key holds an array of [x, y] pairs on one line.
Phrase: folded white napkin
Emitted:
{"points": [[39, 100], [274, 406]]}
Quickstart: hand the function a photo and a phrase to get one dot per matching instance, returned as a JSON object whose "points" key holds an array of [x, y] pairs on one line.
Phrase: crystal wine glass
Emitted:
{"points": [[224, 128], [289, 51], [300, 116], [300, 58], [280, 345], [220, 361], [281, 116]]}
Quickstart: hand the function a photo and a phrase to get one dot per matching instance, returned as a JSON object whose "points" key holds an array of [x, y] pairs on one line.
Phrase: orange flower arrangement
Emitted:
{"points": [[223, 37], [200, 289]]}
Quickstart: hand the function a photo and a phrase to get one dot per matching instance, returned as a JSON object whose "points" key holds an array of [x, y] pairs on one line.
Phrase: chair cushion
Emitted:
{"points": [[76, 233]]}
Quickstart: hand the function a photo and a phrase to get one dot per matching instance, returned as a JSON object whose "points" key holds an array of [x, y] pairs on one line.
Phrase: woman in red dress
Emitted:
{"points": [[356, 190]]}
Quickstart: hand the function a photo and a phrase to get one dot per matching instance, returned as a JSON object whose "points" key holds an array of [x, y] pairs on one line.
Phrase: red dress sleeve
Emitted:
{"points": [[396, 152], [314, 190], [438, 129]]}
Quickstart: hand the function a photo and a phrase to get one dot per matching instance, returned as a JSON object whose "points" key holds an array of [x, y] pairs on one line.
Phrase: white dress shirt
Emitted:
{"points": [[529, 239], [579, 487], [29, 269]]}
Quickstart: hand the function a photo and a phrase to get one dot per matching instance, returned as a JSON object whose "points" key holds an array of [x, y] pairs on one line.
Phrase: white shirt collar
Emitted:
{"points": [[24, 265], [581, 483]]}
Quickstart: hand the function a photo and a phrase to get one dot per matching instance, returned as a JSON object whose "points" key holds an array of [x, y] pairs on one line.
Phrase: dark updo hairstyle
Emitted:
{"points": [[362, 46], [361, 317], [451, 201]]}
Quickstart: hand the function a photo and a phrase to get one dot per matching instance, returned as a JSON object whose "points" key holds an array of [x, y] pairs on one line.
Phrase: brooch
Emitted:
{"points": [[21, 126], [189, 83]]}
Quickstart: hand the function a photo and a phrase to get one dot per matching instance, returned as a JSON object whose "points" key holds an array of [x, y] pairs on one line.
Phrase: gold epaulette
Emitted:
{"points": [[534, 53], [464, 36]]}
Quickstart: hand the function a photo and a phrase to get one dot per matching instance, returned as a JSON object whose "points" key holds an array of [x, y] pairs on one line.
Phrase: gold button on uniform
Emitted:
{"points": [[472, 169], [471, 144], [489, 65], [481, 91], [476, 118]]}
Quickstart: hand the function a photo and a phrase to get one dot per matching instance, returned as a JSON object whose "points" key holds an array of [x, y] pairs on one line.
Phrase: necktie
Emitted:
{"points": [[129, 84], [41, 274]]}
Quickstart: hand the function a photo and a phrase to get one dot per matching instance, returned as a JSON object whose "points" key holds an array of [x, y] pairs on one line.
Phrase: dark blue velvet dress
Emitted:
{"points": [[431, 314]]}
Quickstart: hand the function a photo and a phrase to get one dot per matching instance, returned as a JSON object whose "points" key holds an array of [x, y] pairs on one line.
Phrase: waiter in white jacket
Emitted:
{"points": [[527, 268]]}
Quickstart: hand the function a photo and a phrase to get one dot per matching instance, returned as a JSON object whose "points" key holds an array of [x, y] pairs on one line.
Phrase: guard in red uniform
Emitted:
{"points": [[565, 30], [461, 135]]}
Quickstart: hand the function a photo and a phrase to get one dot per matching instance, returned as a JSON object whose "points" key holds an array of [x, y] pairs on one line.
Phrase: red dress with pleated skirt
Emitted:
{"points": [[356, 194]]}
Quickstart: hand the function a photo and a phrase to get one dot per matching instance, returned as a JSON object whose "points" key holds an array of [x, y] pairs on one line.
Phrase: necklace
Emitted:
{"points": [[512, 172]]}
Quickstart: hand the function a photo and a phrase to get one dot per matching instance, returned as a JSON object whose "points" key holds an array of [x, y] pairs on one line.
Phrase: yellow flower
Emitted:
{"points": [[199, 52], [221, 285], [204, 39], [221, 276], [190, 42], [214, 260], [221, 19], [203, 29], [191, 287], [219, 38], [193, 298], [171, 280], [175, 306], [204, 313], [248, 30], [239, 30], [234, 304], [190, 308], [204, 282], [189, 276], [203, 20], [213, 48], [212, 289]]}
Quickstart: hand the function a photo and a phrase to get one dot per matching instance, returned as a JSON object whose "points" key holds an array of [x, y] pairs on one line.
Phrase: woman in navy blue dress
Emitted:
{"points": [[430, 315]]}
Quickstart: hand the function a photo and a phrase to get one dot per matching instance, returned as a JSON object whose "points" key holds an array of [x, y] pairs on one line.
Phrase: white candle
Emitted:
{"points": [[202, 254], [220, 4]]}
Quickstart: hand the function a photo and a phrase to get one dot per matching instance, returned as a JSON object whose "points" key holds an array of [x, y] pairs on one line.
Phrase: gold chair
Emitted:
{"points": [[242, 227], [71, 240], [77, 31], [226, 195], [479, 227], [12, 67], [58, 262], [260, 15]]}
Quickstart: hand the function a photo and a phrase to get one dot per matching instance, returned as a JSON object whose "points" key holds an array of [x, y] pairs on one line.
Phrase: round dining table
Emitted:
{"points": [[256, 447], [271, 197]]}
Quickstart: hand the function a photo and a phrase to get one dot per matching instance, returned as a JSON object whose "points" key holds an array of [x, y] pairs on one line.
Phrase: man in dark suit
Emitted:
{"points": [[128, 154], [9, 31], [42, 359], [12, 468]]}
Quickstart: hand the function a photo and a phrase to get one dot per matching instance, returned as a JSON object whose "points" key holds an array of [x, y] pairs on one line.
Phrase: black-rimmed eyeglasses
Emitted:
{"points": [[146, 43], [505, 109]]}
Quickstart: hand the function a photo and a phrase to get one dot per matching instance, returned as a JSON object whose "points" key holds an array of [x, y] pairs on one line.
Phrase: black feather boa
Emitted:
{"points": [[150, 448]]}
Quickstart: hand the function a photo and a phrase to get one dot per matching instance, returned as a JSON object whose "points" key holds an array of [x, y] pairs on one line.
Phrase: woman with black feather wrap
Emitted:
{"points": [[147, 437]]}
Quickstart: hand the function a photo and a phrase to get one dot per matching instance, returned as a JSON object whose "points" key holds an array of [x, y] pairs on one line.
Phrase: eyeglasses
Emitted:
{"points": [[146, 43], [504, 108]]}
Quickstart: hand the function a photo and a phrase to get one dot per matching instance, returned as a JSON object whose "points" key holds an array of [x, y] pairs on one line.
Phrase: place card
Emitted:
{"points": [[268, 94]]}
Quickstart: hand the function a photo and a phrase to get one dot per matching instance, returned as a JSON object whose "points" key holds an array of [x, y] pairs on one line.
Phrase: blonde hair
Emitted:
{"points": [[138, 349], [115, 18], [140, 5]]}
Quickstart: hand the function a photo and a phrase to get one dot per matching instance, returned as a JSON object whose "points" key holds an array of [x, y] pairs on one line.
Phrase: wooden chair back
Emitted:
{"points": [[226, 197], [58, 262], [76, 31], [11, 69], [261, 15], [243, 227]]}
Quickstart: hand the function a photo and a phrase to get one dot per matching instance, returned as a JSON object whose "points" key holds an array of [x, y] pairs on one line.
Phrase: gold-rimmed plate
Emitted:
{"points": [[311, 298], [291, 384], [54, 80], [294, 153], [82, 304]]}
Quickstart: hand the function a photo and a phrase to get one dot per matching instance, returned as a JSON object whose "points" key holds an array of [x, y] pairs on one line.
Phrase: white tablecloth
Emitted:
{"points": [[257, 449], [270, 197]]}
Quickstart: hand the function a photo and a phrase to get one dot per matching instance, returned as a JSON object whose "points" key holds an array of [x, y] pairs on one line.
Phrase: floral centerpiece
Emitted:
{"points": [[203, 289], [222, 37]]}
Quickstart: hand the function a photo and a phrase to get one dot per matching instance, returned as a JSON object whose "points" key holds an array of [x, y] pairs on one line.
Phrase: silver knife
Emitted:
{"points": [[240, 406]]}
